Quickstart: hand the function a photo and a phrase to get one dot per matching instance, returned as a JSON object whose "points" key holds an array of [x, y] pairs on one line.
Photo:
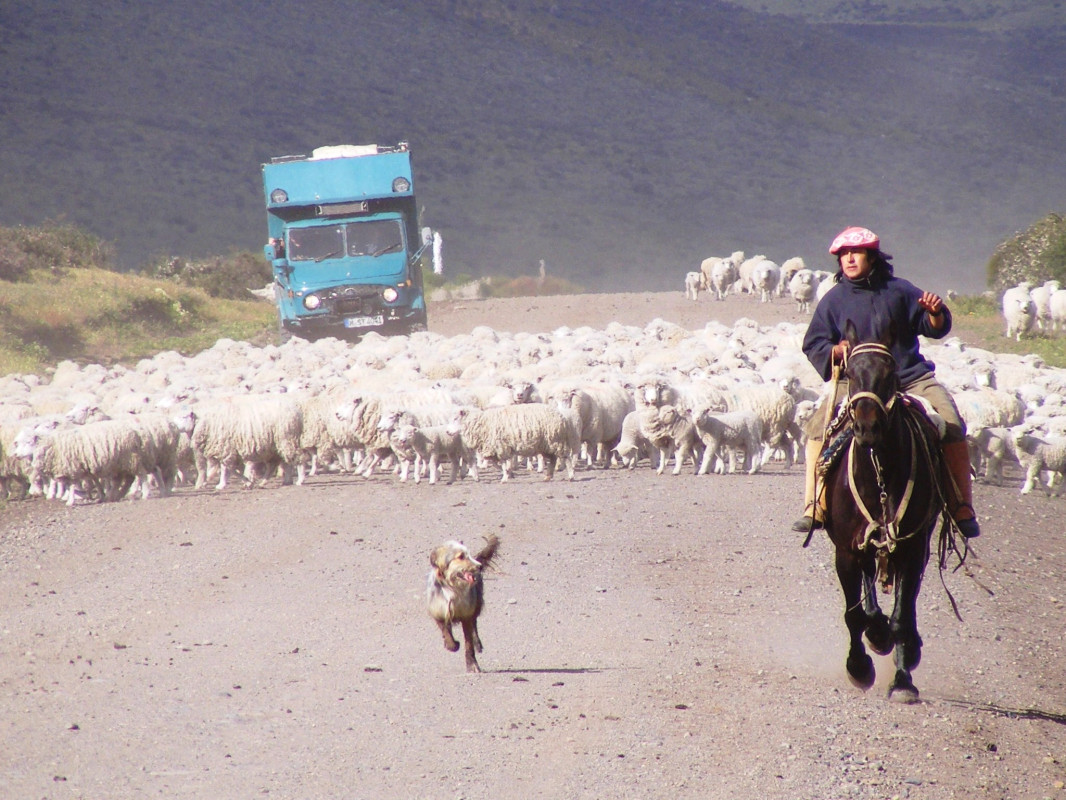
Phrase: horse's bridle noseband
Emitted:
{"points": [[877, 349]]}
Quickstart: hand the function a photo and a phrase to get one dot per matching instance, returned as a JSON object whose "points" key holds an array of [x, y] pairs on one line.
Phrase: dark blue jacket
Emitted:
{"points": [[871, 303]]}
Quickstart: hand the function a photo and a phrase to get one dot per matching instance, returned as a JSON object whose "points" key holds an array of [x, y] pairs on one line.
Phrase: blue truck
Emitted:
{"points": [[344, 242]]}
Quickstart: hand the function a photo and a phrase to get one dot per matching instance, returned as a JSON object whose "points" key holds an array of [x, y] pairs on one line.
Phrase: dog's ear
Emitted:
{"points": [[438, 557], [488, 552]]}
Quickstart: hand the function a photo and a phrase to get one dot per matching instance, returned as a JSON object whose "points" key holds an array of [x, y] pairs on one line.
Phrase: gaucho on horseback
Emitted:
{"points": [[868, 293]]}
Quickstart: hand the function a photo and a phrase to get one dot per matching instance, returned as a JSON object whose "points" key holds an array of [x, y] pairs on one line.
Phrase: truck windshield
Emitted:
{"points": [[316, 244], [372, 237]]}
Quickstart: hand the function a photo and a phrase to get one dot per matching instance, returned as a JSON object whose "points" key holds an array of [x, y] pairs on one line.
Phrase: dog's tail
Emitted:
{"points": [[489, 551]]}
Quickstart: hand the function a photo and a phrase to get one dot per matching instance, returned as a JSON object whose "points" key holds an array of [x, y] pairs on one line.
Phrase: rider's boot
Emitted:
{"points": [[813, 511], [957, 459]]}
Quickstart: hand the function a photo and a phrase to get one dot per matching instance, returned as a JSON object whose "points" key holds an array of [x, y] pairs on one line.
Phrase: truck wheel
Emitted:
{"points": [[284, 334], [419, 325]]}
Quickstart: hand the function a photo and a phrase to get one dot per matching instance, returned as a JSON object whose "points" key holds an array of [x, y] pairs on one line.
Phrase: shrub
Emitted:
{"points": [[1037, 254], [14, 262], [227, 277], [54, 246]]}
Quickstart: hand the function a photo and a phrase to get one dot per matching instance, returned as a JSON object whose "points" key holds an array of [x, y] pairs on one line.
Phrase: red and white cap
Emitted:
{"points": [[855, 237]]}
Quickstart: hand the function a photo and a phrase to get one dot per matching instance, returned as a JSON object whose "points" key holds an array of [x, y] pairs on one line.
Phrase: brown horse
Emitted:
{"points": [[883, 500]]}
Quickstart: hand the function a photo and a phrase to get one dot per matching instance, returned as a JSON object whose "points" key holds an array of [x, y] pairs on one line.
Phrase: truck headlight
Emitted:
{"points": [[401, 184], [312, 301], [390, 294], [279, 196]]}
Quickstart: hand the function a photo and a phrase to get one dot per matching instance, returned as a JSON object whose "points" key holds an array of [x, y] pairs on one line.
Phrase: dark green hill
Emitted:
{"points": [[621, 146]]}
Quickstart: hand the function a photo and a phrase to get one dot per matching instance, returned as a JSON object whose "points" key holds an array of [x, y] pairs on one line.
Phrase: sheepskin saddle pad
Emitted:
{"points": [[839, 434]]}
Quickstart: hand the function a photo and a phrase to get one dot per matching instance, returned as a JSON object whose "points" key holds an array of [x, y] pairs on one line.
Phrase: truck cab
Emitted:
{"points": [[344, 242]]}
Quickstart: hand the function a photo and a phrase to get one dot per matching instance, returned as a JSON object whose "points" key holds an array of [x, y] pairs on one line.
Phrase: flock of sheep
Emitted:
{"points": [[1030, 309], [714, 400], [759, 276]]}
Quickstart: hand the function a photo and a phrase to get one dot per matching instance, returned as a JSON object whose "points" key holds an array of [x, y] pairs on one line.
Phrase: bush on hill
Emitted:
{"points": [[1037, 254]]}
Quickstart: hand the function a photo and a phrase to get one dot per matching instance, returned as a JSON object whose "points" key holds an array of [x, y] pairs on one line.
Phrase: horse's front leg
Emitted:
{"points": [[904, 624], [878, 630], [859, 665]]}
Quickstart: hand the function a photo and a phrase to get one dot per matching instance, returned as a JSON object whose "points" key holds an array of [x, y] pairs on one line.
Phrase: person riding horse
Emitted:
{"points": [[868, 293]]}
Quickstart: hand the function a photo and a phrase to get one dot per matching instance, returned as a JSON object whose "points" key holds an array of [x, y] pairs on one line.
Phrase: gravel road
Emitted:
{"points": [[645, 637]]}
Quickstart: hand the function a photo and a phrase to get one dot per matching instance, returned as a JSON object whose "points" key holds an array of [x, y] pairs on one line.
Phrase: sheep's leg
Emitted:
{"points": [[709, 449], [550, 460], [679, 458], [1032, 475], [287, 471]]}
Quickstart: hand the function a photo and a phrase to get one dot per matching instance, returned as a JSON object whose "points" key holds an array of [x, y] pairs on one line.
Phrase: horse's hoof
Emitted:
{"points": [[879, 637], [905, 693], [861, 674]]}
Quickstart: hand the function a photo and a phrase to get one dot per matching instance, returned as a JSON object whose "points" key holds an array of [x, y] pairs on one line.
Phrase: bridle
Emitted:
{"points": [[883, 531], [855, 397]]}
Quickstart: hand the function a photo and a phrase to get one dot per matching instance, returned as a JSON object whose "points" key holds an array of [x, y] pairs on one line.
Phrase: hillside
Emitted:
{"points": [[619, 148]]}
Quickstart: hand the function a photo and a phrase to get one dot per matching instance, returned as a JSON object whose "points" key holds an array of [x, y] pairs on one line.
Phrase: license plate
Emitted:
{"points": [[363, 322]]}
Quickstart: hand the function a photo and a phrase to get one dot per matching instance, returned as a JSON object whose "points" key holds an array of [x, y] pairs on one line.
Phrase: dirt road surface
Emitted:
{"points": [[645, 637]]}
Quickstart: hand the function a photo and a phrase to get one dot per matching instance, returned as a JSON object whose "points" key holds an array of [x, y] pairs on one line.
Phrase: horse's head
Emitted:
{"points": [[873, 384]]}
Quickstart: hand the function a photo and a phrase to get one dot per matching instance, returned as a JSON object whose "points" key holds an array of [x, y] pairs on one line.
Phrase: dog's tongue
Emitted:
{"points": [[468, 577]]}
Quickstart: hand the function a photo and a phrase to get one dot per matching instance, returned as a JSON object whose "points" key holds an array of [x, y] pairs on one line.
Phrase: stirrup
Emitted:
{"points": [[968, 527], [806, 524]]}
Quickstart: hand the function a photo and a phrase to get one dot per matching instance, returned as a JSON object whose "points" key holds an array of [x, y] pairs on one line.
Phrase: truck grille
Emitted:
{"points": [[363, 300]]}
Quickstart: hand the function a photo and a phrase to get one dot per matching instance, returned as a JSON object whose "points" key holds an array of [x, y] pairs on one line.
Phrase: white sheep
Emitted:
{"points": [[21, 434], [776, 409], [529, 430], [1019, 311], [258, 431], [430, 446], [166, 442], [990, 448], [745, 270], [723, 275], [693, 283], [598, 410], [765, 278], [360, 423], [1057, 310], [731, 430], [989, 408], [802, 287], [1041, 296], [719, 274], [102, 458], [1037, 454], [673, 433], [632, 445], [789, 267]]}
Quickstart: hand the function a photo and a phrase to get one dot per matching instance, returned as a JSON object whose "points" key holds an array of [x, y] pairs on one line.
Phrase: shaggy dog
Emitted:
{"points": [[455, 593]]}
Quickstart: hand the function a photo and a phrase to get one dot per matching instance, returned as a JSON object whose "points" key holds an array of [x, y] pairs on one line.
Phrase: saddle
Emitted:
{"points": [[839, 433]]}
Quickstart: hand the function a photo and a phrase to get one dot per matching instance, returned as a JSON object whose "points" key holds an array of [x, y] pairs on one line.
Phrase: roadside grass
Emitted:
{"points": [[106, 317], [981, 318]]}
